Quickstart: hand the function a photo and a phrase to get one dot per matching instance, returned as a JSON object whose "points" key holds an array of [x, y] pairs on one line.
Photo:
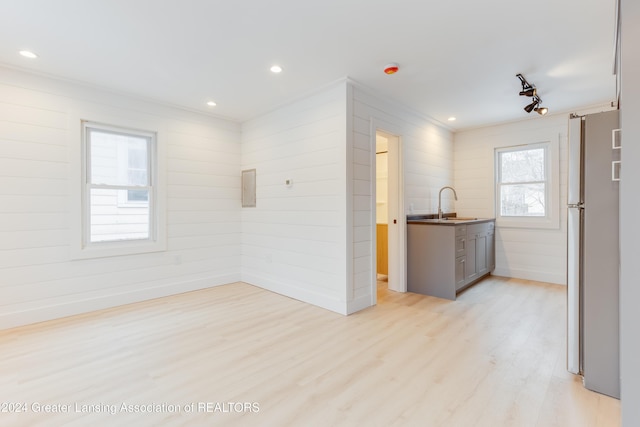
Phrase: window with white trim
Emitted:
{"points": [[526, 177], [119, 187]]}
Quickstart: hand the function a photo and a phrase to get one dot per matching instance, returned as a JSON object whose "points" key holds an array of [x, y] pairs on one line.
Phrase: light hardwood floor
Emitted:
{"points": [[494, 357]]}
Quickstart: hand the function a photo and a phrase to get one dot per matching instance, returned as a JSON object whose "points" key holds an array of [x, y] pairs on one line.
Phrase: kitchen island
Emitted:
{"points": [[446, 256]]}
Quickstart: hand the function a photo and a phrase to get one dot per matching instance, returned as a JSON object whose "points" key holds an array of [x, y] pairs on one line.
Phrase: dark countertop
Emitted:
{"points": [[448, 219]]}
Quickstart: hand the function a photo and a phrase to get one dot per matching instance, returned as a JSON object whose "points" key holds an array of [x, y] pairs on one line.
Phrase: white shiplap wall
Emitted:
{"points": [[426, 164], [293, 241], [534, 254], [38, 138]]}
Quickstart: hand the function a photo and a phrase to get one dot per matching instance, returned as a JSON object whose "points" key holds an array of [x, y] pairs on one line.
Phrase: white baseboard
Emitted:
{"points": [[80, 306], [359, 304], [300, 294], [538, 276]]}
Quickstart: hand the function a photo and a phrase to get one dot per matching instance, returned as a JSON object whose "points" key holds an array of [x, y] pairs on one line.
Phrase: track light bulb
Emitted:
{"points": [[541, 110]]}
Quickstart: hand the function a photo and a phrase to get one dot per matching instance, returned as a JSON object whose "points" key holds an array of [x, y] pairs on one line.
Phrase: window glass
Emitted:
{"points": [[523, 165], [110, 222], [118, 159], [522, 182], [522, 200]]}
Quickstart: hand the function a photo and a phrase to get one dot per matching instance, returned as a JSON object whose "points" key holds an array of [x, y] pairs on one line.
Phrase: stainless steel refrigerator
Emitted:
{"points": [[593, 251]]}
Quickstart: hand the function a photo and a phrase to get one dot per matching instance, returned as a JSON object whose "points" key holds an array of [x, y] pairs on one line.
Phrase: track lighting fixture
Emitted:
{"points": [[530, 90]]}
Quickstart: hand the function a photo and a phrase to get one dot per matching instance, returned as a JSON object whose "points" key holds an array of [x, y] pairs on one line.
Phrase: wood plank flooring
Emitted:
{"points": [[237, 355]]}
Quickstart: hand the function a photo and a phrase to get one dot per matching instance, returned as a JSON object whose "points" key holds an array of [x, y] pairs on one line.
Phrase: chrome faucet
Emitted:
{"points": [[440, 199]]}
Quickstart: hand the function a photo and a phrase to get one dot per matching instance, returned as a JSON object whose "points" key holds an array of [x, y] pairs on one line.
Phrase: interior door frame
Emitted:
{"points": [[396, 232]]}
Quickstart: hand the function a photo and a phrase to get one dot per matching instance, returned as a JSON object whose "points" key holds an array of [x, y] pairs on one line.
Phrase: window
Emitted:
{"points": [[522, 182], [525, 185], [119, 185]]}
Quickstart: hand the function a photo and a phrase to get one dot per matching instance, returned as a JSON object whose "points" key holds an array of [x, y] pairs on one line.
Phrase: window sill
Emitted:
{"points": [[119, 248], [534, 223]]}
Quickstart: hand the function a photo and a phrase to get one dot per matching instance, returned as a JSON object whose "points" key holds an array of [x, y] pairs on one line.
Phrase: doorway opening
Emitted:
{"points": [[389, 265]]}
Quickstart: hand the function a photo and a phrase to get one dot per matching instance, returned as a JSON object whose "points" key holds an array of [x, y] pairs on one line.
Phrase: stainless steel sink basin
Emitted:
{"points": [[459, 218]]}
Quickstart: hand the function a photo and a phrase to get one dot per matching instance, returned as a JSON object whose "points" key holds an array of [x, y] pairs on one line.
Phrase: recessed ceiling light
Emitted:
{"points": [[211, 104], [276, 69], [452, 119], [28, 54]]}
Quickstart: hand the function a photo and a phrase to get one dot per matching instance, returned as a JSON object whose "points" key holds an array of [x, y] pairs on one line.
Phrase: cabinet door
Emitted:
{"points": [[471, 271], [491, 250], [482, 262], [460, 272]]}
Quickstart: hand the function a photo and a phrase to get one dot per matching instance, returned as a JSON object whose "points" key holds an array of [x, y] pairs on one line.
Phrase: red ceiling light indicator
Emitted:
{"points": [[391, 68]]}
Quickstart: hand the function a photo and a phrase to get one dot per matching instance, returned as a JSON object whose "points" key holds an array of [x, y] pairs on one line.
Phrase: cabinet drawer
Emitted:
{"points": [[473, 229], [461, 230]]}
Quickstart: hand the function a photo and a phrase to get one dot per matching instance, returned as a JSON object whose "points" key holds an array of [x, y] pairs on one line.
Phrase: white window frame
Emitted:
{"points": [[551, 219], [81, 247]]}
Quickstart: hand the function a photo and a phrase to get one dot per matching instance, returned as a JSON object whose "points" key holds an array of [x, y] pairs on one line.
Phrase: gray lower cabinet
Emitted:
{"points": [[444, 259]]}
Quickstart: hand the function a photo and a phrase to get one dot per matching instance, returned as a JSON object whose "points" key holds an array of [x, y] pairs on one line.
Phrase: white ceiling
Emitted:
{"points": [[457, 58]]}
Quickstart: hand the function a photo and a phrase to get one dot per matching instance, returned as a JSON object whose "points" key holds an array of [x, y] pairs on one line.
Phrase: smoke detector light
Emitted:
{"points": [[28, 54], [276, 69], [391, 68]]}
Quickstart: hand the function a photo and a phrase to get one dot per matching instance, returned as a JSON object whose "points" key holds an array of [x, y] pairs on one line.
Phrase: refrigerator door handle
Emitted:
{"points": [[574, 172], [574, 340]]}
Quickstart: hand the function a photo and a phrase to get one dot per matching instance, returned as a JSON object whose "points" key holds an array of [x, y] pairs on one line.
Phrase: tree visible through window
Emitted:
{"points": [[118, 196], [522, 181]]}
